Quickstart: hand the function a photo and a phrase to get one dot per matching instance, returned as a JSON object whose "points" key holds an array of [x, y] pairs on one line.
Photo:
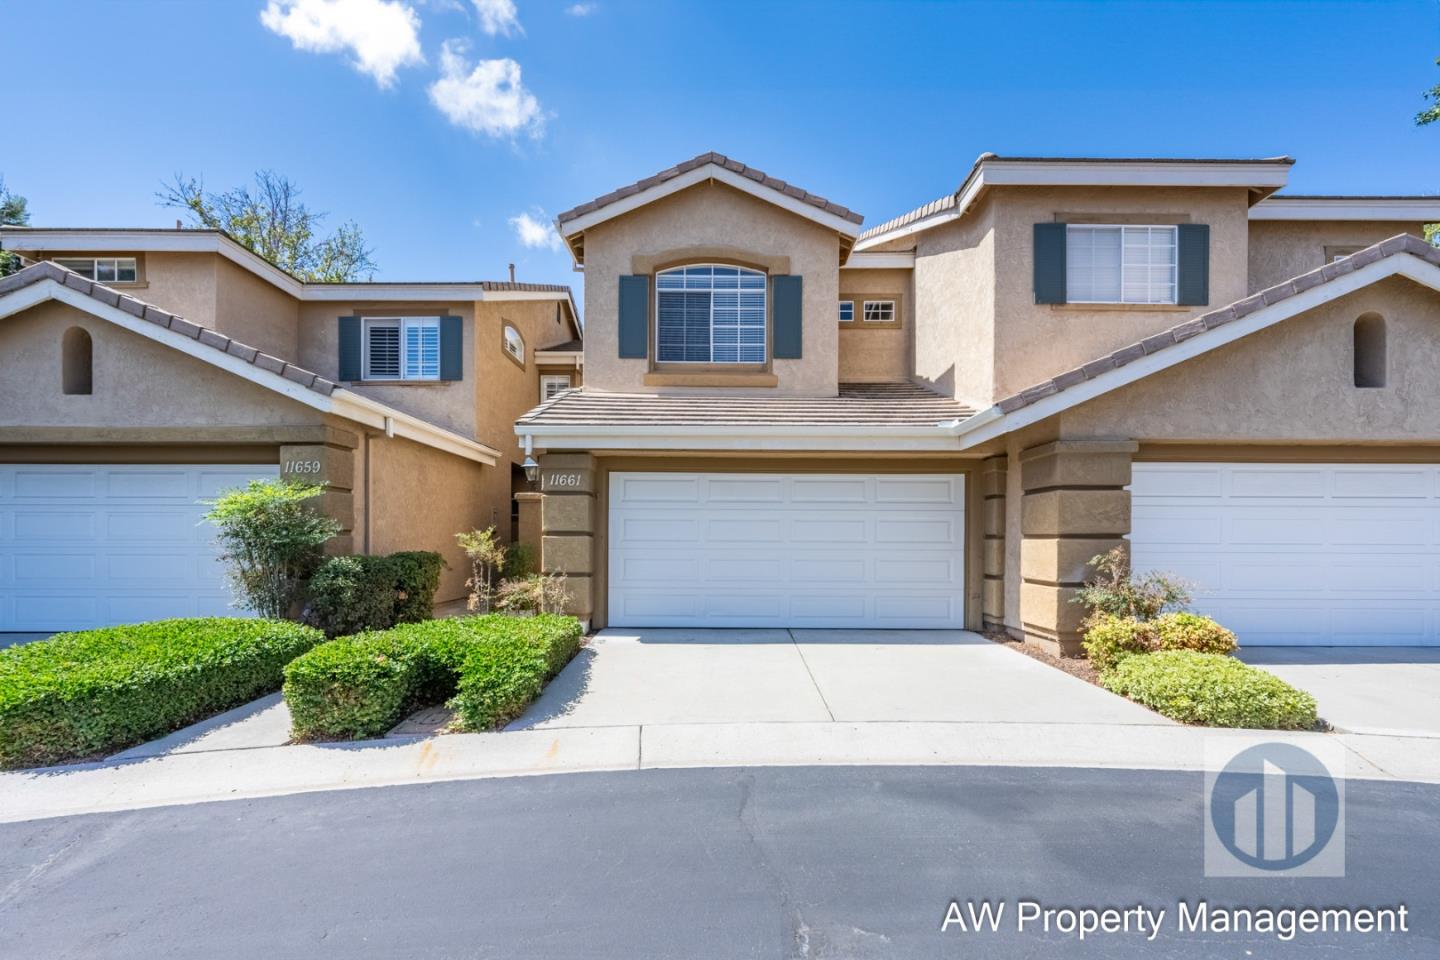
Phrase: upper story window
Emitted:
{"points": [[879, 311], [1120, 264], [402, 348], [514, 344], [710, 314], [553, 384], [102, 269], [847, 311]]}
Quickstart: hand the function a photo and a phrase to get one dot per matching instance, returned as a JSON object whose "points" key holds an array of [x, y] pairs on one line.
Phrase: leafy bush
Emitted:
{"points": [[272, 538], [77, 695], [519, 562], [1114, 589], [1109, 639], [417, 577], [1212, 690], [500, 679], [361, 686], [355, 593], [1190, 631], [537, 593]]}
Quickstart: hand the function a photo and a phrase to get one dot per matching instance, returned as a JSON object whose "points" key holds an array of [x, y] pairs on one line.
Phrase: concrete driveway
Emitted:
{"points": [[1380, 690], [630, 677]]}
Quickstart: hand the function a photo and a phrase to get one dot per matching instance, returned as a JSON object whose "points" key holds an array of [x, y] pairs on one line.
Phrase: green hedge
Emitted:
{"points": [[1110, 639], [501, 678], [1212, 690], [360, 686], [351, 594], [78, 695]]}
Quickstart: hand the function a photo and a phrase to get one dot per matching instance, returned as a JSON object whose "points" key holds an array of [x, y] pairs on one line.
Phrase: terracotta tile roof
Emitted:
{"points": [[946, 202], [873, 404], [47, 270], [759, 176], [1404, 243]]}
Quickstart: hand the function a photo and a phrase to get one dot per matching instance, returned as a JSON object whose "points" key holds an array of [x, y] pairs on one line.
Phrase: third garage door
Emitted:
{"points": [[781, 550], [1324, 554]]}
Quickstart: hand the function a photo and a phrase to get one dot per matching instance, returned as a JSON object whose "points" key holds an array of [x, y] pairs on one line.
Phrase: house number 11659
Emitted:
{"points": [[302, 466], [564, 479]]}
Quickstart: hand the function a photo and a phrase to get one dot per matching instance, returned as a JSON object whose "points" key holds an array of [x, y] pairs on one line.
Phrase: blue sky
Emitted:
{"points": [[404, 115]]}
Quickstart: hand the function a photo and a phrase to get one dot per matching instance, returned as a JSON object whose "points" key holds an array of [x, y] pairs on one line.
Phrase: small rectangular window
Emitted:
{"points": [[1105, 264], [553, 384], [879, 311], [102, 269], [847, 311], [402, 348]]}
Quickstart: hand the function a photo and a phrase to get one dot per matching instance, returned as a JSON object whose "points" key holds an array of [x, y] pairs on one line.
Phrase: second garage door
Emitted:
{"points": [[801, 550], [1292, 554]]}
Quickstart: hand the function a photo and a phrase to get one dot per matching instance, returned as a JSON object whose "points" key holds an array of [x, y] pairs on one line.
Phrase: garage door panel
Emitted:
{"points": [[826, 552], [84, 546], [1349, 556]]}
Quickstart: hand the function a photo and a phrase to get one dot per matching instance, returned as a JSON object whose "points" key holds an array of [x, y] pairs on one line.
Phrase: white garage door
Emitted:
{"points": [[1298, 553], [743, 550], [87, 546]]}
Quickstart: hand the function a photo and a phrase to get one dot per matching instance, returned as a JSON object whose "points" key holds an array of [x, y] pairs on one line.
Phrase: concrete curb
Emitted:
{"points": [[197, 777]]}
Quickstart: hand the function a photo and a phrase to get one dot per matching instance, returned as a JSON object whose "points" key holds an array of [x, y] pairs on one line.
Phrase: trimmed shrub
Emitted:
{"points": [[361, 686], [500, 679], [417, 577], [78, 695], [351, 594], [1110, 639], [1190, 631], [1211, 690]]}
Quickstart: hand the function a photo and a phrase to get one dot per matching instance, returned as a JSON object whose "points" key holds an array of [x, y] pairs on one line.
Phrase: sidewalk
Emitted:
{"points": [[260, 771]]}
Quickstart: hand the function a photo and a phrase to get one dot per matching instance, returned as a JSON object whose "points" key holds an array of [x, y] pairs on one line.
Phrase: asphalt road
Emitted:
{"points": [[774, 862]]}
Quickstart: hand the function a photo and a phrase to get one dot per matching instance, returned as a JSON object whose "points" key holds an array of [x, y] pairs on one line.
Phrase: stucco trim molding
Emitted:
{"points": [[204, 345]]}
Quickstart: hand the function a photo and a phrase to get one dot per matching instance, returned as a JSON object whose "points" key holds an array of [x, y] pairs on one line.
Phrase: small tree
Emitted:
{"points": [[13, 213], [1113, 589], [272, 538], [487, 558]]}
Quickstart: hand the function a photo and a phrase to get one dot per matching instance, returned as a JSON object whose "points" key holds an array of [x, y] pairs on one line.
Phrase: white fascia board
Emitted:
{"points": [[710, 171], [730, 437], [418, 292], [1422, 209], [914, 227], [340, 402], [976, 431], [903, 260]]}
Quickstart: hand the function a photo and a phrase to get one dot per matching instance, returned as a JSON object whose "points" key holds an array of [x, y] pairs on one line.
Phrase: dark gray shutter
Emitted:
{"points": [[1193, 264], [1049, 263], [351, 343], [785, 317], [452, 348], [634, 317]]}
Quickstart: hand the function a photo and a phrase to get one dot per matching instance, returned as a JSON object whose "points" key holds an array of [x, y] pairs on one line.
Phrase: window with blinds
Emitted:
{"points": [[710, 314], [1120, 264], [103, 269], [402, 348]]}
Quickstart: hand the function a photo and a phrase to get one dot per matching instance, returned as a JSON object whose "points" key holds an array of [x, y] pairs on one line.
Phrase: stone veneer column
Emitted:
{"points": [[1074, 506], [331, 463], [992, 492], [567, 525]]}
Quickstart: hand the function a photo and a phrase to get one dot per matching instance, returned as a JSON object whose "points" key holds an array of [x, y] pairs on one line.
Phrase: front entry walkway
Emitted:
{"points": [[679, 676]]}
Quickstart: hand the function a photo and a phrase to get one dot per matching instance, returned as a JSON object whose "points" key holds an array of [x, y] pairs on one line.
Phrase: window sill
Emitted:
{"points": [[870, 325], [712, 378], [1123, 307]]}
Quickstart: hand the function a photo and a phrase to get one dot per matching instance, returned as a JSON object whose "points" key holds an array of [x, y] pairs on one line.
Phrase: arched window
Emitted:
{"points": [[514, 344], [710, 314], [1370, 359], [75, 361]]}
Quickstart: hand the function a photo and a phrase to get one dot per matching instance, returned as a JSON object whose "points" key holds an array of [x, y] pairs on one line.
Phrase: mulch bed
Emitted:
{"points": [[1075, 666]]}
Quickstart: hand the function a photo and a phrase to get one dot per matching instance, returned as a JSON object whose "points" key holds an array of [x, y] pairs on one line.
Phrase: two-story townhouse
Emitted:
{"points": [[143, 371], [787, 421]]}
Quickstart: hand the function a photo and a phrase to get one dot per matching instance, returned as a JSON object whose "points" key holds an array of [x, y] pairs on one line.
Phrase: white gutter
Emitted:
{"points": [[903, 260], [1417, 209], [869, 437], [394, 423]]}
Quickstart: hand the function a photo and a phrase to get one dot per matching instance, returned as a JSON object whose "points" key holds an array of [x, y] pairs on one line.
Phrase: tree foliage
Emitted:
{"points": [[1431, 113], [13, 213], [272, 221]]}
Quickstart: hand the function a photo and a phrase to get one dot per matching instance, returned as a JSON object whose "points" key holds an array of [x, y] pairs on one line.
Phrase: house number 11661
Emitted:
{"points": [[564, 479]]}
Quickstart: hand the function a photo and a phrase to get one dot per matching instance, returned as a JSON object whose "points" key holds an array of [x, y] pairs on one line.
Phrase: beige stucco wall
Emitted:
{"points": [[1290, 383], [955, 307], [712, 217], [1281, 249], [414, 497], [1033, 342], [136, 381], [871, 353], [255, 312]]}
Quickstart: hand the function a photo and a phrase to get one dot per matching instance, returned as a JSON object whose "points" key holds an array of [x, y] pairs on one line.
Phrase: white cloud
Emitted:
{"points": [[498, 17], [380, 35], [581, 9], [537, 232], [489, 99]]}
